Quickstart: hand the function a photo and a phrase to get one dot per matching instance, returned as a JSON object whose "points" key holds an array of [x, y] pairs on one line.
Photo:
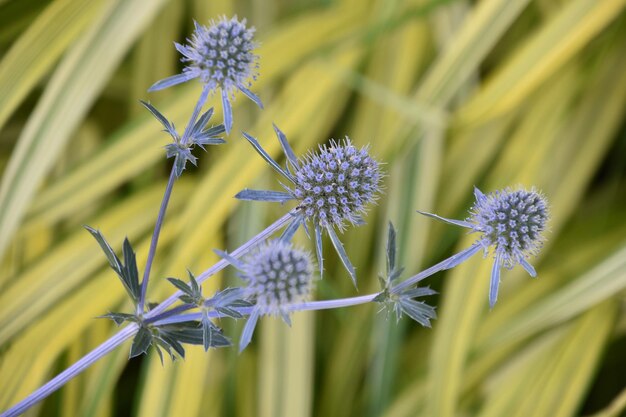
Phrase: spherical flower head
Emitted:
{"points": [[278, 274], [513, 221], [335, 184], [221, 54]]}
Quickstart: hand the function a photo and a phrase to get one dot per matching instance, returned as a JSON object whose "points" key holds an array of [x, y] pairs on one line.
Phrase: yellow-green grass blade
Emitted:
{"points": [[205, 10], [559, 385], [459, 59], [616, 408], [285, 368], [137, 145], [390, 75], [15, 18], [546, 52], [155, 58], [74, 391], [72, 89], [520, 370], [45, 283], [602, 282], [38, 48], [95, 334]]}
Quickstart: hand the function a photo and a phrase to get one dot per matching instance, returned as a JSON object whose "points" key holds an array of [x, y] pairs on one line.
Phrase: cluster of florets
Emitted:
{"points": [[335, 184], [278, 274], [513, 221], [221, 54]]}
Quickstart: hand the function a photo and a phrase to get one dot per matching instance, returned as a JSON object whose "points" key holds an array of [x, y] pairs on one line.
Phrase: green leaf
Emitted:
{"points": [[114, 261], [131, 275], [207, 331], [120, 318], [172, 343], [128, 273], [417, 310], [181, 285], [391, 249], [192, 332], [73, 87], [141, 342]]}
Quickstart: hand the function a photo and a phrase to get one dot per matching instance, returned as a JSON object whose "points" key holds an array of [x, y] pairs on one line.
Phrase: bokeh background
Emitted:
{"points": [[449, 94]]}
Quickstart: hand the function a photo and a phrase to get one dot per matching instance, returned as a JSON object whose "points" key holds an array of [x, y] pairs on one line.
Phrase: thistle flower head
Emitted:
{"points": [[336, 183], [513, 221], [510, 221], [221, 54], [278, 274], [333, 185]]}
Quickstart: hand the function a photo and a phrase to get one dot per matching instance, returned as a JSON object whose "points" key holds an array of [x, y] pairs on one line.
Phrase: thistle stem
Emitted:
{"points": [[155, 240], [164, 203], [196, 112], [65, 376], [308, 306], [448, 263]]}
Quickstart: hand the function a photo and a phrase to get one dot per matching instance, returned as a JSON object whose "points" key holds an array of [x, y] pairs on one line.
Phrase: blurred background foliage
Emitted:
{"points": [[449, 93]]}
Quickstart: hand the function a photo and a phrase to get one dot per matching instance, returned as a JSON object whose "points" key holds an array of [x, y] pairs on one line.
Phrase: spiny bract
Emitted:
{"points": [[335, 184], [278, 274]]}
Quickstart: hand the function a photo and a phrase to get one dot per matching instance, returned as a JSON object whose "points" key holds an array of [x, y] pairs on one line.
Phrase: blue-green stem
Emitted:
{"points": [[307, 306], [164, 202]]}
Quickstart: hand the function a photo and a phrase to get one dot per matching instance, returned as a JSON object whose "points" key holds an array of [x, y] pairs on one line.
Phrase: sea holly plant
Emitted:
{"points": [[332, 188]]}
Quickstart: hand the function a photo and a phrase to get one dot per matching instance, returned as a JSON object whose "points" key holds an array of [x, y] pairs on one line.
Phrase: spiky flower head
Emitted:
{"points": [[513, 221], [278, 274], [335, 184], [221, 54]]}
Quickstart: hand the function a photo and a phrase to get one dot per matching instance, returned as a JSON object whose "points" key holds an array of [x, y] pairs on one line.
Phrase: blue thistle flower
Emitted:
{"points": [[333, 186], [510, 222], [220, 55], [277, 275]]}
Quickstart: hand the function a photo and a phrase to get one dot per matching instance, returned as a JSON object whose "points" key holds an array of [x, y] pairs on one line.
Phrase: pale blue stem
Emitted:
{"points": [[308, 306], [155, 240], [449, 263], [166, 198], [196, 112], [65, 376]]}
